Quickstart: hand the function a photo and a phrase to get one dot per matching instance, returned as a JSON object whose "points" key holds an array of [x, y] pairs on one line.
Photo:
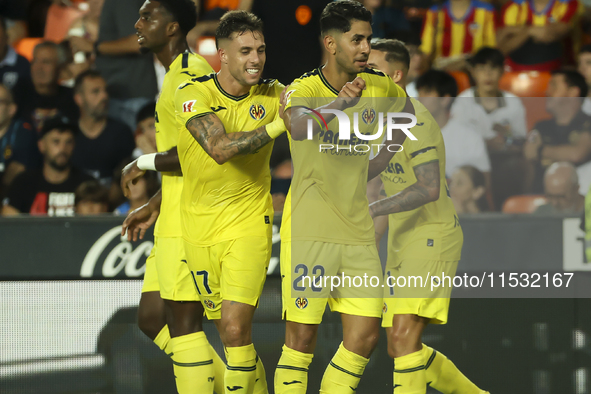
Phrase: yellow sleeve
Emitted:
{"points": [[297, 90], [424, 149], [191, 100]]}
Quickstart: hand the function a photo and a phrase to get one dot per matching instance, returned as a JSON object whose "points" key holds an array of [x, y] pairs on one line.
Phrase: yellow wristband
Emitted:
{"points": [[275, 128]]}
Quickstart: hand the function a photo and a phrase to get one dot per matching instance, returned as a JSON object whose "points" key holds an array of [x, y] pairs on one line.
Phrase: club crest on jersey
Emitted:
{"points": [[188, 105], [301, 302], [209, 303], [474, 28], [385, 308], [257, 111], [368, 115]]}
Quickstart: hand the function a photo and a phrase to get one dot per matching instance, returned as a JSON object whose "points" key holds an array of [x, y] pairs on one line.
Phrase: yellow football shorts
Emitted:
{"points": [[233, 270], [174, 277], [317, 273], [151, 275], [406, 294]]}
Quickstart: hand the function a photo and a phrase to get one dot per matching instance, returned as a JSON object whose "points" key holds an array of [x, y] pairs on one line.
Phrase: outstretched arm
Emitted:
{"points": [[423, 191]]}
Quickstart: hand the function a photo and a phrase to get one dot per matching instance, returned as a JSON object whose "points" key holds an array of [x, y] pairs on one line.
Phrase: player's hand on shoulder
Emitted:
{"points": [[130, 173], [351, 91], [283, 101]]}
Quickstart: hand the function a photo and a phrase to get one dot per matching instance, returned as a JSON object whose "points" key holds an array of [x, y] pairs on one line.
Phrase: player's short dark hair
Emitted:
{"points": [[79, 81], [237, 21], [395, 50], [147, 111], [339, 14], [183, 11], [488, 55], [91, 191], [573, 78], [440, 81], [585, 49]]}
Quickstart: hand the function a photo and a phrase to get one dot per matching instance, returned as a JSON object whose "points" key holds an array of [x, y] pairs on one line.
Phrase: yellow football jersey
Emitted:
{"points": [[327, 200], [186, 65], [232, 200], [432, 231]]}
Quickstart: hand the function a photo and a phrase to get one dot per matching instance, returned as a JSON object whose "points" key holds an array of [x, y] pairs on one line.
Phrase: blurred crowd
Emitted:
{"points": [[506, 80]]}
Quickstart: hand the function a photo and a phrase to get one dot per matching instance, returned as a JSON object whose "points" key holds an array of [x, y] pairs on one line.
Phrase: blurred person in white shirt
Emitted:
{"points": [[503, 111]]}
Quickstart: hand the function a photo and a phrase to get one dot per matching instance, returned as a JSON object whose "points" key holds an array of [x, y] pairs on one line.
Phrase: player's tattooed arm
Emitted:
{"points": [[209, 131], [423, 191]]}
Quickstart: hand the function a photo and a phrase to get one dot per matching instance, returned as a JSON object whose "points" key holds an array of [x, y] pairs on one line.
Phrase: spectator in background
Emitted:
{"points": [[91, 198], [12, 66], [388, 22], [564, 137], [538, 35], [18, 142], [130, 75], [288, 24], [82, 35], [467, 190], [145, 133], [455, 30], [14, 13], [84, 31], [561, 187], [504, 111], [139, 193], [584, 67], [463, 144], [419, 64], [42, 97], [103, 142], [49, 191]]}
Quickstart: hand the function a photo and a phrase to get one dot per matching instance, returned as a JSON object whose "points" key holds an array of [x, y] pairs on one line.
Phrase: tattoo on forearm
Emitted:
{"points": [[209, 132], [414, 196]]}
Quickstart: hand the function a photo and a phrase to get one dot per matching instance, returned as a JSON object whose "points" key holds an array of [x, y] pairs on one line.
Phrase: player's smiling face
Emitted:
{"points": [[244, 54], [353, 47], [151, 27]]}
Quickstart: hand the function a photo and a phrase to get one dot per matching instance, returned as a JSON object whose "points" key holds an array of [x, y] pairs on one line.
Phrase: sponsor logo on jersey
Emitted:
{"points": [[301, 302], [257, 111], [188, 105]]}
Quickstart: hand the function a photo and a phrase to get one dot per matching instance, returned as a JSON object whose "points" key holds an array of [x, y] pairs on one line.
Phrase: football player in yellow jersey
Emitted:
{"points": [[226, 207], [174, 324], [326, 228], [424, 236]]}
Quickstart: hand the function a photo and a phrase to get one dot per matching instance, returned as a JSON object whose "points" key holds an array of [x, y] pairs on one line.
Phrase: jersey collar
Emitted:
{"points": [[228, 95], [325, 82]]}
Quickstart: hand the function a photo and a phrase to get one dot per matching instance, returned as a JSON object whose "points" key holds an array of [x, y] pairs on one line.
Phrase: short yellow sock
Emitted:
{"points": [[163, 340], [343, 373], [444, 376], [409, 374], [193, 364], [241, 369], [291, 375], [219, 370]]}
